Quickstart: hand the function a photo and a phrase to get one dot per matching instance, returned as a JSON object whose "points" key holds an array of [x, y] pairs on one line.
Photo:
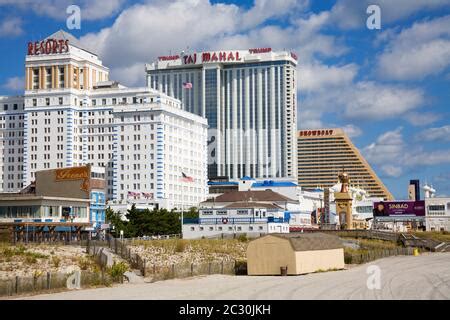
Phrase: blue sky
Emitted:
{"points": [[388, 88]]}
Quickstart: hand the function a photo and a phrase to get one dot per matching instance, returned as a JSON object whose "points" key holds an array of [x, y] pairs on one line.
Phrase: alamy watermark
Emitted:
{"points": [[374, 280], [374, 20], [74, 19]]}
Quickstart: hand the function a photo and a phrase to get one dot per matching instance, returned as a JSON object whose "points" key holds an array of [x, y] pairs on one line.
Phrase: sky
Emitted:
{"points": [[389, 88]]}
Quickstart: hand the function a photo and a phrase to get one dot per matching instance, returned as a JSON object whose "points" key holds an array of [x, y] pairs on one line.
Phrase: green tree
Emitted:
{"points": [[115, 219]]}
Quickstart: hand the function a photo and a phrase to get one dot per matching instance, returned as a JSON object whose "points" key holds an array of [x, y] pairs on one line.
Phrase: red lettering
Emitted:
{"points": [[237, 56], [185, 59], [206, 57], [222, 56], [48, 47], [54, 46], [214, 57], [195, 58], [42, 47], [30, 48], [230, 57], [61, 45], [260, 50]]}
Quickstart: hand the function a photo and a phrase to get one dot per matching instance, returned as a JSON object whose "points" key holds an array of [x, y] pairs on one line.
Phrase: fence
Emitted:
{"points": [[184, 270], [49, 281], [120, 248], [370, 234], [376, 254]]}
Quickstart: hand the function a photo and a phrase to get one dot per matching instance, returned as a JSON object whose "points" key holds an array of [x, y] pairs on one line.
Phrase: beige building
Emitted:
{"points": [[301, 253], [323, 153]]}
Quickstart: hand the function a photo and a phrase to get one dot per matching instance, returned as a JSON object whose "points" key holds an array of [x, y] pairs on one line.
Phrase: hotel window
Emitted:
{"points": [[15, 106], [35, 78], [61, 77], [48, 78], [5, 107], [47, 101], [81, 78], [60, 101], [114, 101], [103, 101], [34, 102]]}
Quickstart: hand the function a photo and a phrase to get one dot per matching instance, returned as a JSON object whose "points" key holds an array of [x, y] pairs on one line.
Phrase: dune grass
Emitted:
{"points": [[443, 236], [233, 247]]}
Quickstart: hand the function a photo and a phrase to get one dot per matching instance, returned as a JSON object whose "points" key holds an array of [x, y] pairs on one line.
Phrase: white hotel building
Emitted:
{"points": [[249, 99], [71, 115]]}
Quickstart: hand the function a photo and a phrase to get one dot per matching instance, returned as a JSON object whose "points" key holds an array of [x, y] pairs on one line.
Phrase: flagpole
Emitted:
{"points": [[182, 219]]}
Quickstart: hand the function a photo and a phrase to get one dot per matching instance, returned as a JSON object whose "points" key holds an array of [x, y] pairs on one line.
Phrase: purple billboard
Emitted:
{"points": [[399, 208]]}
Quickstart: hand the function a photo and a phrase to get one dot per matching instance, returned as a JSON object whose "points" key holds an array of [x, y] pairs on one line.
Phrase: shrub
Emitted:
{"points": [[117, 270], [180, 246], [56, 261], [243, 237], [84, 263], [36, 255], [30, 259]]}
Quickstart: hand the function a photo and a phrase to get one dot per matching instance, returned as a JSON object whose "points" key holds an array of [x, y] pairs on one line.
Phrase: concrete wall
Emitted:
{"points": [[312, 261], [266, 255]]}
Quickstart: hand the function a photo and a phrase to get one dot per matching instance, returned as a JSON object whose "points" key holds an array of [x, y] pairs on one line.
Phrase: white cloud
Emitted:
{"points": [[132, 75], [434, 134], [56, 9], [422, 118], [393, 155], [369, 100], [392, 170], [350, 14], [265, 9], [319, 77], [417, 52], [10, 27], [15, 84], [352, 131], [362, 101]]}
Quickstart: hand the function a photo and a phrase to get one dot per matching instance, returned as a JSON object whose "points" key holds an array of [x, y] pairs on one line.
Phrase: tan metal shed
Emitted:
{"points": [[301, 253]]}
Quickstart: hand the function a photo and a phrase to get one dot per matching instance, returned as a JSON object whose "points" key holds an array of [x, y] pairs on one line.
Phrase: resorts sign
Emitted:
{"points": [[49, 46]]}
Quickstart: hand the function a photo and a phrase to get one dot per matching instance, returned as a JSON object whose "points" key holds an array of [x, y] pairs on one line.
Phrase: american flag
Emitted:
{"points": [[186, 178], [187, 85], [133, 194], [147, 195]]}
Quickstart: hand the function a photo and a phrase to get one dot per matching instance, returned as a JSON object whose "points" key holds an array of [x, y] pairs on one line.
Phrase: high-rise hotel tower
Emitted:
{"points": [[72, 115], [249, 99]]}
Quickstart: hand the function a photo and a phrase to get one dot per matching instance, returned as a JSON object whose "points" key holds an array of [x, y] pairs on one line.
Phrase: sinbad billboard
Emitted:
{"points": [[399, 208]]}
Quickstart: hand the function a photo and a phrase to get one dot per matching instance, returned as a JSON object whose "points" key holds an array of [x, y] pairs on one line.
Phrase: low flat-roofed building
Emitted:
{"points": [[300, 253], [437, 214], [59, 200], [236, 218]]}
